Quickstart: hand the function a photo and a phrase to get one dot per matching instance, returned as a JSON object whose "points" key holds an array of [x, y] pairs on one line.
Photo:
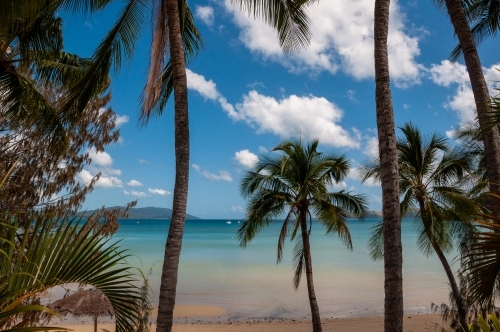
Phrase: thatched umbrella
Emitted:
{"points": [[90, 302]]}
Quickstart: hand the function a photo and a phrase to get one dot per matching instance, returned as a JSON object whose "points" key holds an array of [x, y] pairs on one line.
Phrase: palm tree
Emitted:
{"points": [[393, 250], [479, 88], [290, 20], [430, 184], [49, 252], [296, 183], [174, 33]]}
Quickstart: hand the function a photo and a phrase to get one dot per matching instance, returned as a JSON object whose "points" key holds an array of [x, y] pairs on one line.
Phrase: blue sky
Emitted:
{"points": [[246, 96]]}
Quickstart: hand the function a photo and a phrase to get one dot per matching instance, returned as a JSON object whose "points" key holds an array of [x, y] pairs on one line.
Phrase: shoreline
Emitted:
{"points": [[193, 318]]}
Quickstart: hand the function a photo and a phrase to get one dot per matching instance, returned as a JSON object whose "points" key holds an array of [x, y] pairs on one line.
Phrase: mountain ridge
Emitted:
{"points": [[150, 212]]}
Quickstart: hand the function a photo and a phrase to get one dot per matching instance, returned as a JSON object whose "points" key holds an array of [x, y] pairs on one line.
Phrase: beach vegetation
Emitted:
{"points": [[294, 182], [49, 252], [431, 175]]}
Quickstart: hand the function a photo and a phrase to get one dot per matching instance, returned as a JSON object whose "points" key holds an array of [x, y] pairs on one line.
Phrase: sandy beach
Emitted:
{"points": [[218, 323]]}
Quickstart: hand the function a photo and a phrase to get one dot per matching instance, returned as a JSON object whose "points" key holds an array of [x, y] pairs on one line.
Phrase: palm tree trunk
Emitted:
{"points": [[393, 256], [316, 319], [174, 241], [480, 91], [95, 323], [457, 295]]}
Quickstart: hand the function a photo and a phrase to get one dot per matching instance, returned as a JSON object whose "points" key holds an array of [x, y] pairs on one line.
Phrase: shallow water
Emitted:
{"points": [[215, 270]]}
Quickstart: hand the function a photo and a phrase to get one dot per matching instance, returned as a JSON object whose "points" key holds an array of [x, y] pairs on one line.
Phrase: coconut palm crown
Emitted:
{"points": [[431, 175], [295, 184]]}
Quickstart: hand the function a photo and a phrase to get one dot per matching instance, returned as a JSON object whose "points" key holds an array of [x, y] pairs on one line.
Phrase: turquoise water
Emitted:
{"points": [[214, 270]]}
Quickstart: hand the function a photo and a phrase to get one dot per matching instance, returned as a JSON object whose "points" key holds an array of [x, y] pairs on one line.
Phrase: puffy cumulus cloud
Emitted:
{"points": [[449, 73], [310, 116], [208, 89], [136, 193], [342, 38], [104, 181], [246, 158], [159, 192], [134, 183], [121, 119], [313, 117], [100, 158], [101, 163], [205, 14]]}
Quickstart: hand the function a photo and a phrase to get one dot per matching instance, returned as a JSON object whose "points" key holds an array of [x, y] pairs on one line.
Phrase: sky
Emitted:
{"points": [[246, 96]]}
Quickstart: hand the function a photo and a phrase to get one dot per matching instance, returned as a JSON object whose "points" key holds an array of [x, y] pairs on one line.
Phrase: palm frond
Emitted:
{"points": [[119, 42], [298, 262], [288, 17], [376, 242], [159, 86]]}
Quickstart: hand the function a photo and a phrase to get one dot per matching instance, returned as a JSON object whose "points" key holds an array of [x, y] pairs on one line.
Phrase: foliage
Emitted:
{"points": [[41, 174], [47, 253], [293, 183], [430, 173], [288, 17]]}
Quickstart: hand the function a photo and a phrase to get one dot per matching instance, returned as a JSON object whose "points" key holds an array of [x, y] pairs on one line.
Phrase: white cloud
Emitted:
{"points": [[101, 163], [121, 119], [355, 174], [208, 89], [371, 147], [309, 116], [159, 192], [246, 158], [262, 149], [104, 181], [134, 183], [342, 38], [143, 161], [237, 208], [453, 73], [222, 176], [136, 193], [206, 14], [100, 158]]}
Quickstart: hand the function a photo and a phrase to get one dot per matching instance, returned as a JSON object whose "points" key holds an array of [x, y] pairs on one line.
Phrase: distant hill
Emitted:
{"points": [[142, 213], [378, 215]]}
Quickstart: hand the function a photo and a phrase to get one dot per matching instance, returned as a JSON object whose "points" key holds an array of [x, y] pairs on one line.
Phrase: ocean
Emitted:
{"points": [[215, 270]]}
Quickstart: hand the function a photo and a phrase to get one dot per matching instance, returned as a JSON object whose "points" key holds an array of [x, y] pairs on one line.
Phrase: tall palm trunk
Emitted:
{"points": [[457, 295], [393, 256], [174, 241], [479, 89], [316, 319]]}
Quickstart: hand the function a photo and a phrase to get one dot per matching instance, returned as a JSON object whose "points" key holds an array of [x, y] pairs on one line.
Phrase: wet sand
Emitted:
{"points": [[219, 323]]}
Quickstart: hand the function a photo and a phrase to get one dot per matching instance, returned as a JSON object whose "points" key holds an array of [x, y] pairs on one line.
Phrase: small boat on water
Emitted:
{"points": [[228, 222]]}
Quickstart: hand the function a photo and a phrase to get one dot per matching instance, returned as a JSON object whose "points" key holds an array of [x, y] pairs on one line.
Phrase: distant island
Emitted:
{"points": [[141, 213]]}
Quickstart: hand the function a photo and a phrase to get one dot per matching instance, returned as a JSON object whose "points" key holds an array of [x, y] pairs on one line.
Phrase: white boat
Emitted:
{"points": [[228, 222]]}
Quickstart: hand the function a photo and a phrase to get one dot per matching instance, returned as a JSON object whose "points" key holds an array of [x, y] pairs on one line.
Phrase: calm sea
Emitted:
{"points": [[215, 270]]}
